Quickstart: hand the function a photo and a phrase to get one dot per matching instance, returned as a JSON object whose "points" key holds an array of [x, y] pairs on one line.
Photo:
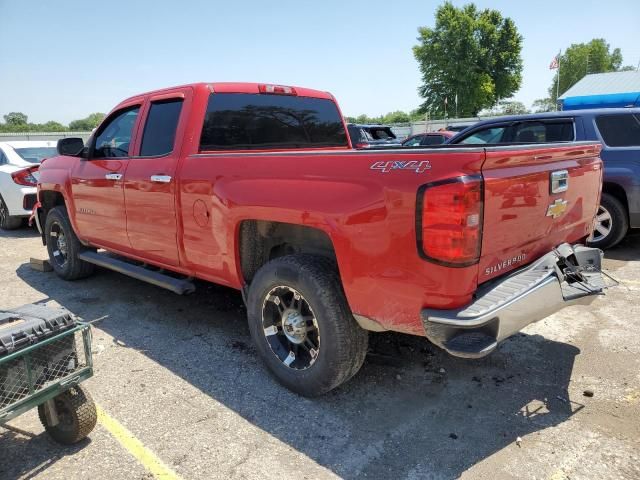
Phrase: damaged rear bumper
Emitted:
{"points": [[568, 275]]}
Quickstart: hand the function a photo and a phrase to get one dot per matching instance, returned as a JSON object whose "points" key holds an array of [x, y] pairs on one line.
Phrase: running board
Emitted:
{"points": [[177, 285]]}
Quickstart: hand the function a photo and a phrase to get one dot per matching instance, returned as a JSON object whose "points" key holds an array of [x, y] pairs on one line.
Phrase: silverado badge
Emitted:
{"points": [[557, 208]]}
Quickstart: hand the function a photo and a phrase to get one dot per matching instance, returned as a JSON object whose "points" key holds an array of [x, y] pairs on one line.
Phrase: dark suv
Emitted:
{"points": [[618, 129]]}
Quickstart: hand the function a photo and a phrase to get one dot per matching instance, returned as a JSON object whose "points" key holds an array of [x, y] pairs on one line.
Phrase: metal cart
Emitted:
{"points": [[47, 374]]}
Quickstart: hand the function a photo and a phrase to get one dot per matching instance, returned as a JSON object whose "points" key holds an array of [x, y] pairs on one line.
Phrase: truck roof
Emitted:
{"points": [[236, 87]]}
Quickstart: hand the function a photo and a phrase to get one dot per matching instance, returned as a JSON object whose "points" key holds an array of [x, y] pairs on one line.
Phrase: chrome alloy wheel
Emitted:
{"points": [[59, 242], [290, 328], [602, 225]]}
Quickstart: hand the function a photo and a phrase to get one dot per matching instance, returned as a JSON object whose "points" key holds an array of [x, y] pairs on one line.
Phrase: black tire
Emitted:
{"points": [[67, 265], [77, 416], [7, 222], [342, 344], [617, 226]]}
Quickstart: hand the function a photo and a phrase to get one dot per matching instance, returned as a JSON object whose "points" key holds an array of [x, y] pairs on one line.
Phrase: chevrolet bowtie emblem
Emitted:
{"points": [[557, 208]]}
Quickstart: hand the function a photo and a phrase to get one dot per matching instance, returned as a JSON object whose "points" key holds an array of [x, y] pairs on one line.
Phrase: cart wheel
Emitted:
{"points": [[76, 414]]}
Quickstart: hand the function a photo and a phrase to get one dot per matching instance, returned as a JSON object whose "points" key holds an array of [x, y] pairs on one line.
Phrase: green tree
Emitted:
{"points": [[581, 59], [506, 107], [471, 53], [86, 124], [52, 126], [542, 105], [510, 107], [396, 117], [15, 119]]}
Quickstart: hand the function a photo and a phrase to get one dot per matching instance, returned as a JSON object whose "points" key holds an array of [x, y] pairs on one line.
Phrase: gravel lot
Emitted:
{"points": [[181, 374]]}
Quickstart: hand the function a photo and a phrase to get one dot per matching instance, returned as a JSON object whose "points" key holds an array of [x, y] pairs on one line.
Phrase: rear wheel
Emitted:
{"points": [[302, 326], [77, 416], [63, 246], [8, 222], [611, 223]]}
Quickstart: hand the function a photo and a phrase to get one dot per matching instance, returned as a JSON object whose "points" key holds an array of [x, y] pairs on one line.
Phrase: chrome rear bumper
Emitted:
{"points": [[563, 277]]}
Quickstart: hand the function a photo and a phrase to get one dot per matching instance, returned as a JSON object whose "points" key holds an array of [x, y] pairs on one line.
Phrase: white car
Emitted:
{"points": [[19, 162]]}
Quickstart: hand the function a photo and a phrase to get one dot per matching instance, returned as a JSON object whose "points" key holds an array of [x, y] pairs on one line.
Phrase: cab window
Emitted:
{"points": [[489, 135], [433, 140], [114, 139], [242, 121], [543, 132], [620, 130], [413, 142], [160, 129]]}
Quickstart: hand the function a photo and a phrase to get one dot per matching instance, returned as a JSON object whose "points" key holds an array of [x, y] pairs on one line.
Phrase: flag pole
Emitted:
{"points": [[558, 82]]}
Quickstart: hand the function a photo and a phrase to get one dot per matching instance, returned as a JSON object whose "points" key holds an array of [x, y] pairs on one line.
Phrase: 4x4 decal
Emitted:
{"points": [[417, 167]]}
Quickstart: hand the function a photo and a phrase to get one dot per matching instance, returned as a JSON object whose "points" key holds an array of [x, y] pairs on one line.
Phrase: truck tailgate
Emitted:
{"points": [[525, 214]]}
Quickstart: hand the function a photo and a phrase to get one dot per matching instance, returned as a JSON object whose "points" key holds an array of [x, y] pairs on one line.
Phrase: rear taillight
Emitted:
{"points": [[449, 221], [25, 177], [277, 89]]}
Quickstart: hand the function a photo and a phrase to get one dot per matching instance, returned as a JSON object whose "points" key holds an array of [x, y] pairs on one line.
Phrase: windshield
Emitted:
{"points": [[35, 154]]}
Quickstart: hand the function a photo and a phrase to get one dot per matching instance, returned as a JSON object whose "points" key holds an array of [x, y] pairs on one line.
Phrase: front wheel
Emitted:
{"points": [[63, 246], [302, 326], [611, 223], [77, 416]]}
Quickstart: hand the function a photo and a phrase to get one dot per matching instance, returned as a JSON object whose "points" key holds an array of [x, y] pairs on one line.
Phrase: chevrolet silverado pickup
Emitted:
{"points": [[257, 187]]}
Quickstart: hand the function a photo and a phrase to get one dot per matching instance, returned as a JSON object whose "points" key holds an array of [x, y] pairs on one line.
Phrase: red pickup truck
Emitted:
{"points": [[257, 187]]}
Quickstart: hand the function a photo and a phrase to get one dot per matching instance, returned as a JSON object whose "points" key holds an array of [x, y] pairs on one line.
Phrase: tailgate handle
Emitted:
{"points": [[559, 181], [161, 178]]}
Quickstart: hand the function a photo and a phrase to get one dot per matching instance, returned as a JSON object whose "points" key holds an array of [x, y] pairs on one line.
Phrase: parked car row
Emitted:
{"points": [[617, 129], [19, 163]]}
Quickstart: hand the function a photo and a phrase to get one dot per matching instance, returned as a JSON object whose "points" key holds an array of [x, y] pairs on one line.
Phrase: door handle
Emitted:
{"points": [[113, 176], [161, 178]]}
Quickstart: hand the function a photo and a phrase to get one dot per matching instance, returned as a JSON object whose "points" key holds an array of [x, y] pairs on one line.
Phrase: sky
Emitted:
{"points": [[61, 60]]}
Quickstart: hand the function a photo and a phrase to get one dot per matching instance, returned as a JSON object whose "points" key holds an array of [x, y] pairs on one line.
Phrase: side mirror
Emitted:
{"points": [[70, 146]]}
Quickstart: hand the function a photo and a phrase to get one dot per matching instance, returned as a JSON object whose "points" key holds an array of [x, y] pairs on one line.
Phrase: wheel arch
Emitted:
{"points": [[260, 241], [618, 192], [52, 198]]}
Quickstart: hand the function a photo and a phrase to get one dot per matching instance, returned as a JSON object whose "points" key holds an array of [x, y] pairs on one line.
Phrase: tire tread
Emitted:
{"points": [[350, 339]]}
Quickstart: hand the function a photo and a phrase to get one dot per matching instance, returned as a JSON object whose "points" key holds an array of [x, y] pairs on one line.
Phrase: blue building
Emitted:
{"points": [[603, 90]]}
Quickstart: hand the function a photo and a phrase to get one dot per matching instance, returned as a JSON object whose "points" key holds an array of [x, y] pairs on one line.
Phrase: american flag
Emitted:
{"points": [[554, 63]]}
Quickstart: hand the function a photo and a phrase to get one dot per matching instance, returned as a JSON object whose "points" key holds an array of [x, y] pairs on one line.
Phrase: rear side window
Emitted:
{"points": [[160, 129], [433, 140], [543, 132], [241, 121], [413, 142], [357, 134], [487, 135], [620, 130]]}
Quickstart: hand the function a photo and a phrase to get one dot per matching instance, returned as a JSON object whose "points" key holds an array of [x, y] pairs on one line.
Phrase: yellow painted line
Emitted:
{"points": [[135, 447], [630, 282]]}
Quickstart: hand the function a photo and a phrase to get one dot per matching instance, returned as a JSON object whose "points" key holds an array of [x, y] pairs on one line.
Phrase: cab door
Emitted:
{"points": [[97, 182], [150, 180]]}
